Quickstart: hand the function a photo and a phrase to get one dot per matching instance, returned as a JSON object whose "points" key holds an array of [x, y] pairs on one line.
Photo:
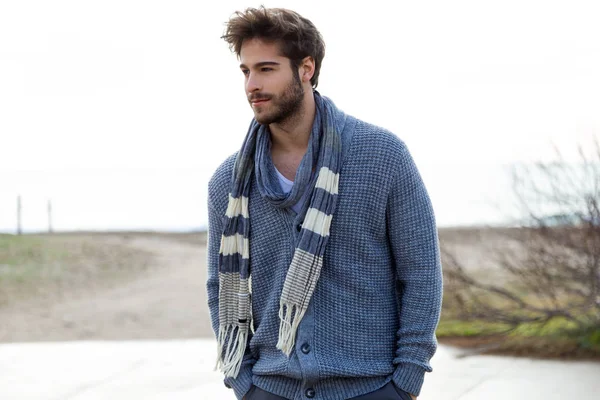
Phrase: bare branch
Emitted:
{"points": [[553, 260]]}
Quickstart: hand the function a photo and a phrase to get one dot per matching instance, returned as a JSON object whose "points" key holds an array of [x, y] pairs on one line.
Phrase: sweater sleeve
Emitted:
{"points": [[243, 382], [413, 238]]}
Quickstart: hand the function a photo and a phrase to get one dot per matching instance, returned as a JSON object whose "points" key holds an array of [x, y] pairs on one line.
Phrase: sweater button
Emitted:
{"points": [[305, 348], [310, 393], [299, 227]]}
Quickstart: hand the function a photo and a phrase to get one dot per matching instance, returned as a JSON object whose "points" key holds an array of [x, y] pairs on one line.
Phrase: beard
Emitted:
{"points": [[283, 107]]}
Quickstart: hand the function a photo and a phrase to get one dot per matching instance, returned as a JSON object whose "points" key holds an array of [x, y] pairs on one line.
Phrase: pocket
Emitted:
{"points": [[388, 392], [248, 395], [256, 393], [403, 395]]}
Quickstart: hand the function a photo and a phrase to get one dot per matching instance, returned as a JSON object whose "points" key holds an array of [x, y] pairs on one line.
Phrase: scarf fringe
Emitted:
{"points": [[231, 362], [290, 316]]}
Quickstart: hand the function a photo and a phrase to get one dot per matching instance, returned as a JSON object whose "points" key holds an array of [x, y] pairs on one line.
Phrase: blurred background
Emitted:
{"points": [[119, 111], [114, 115]]}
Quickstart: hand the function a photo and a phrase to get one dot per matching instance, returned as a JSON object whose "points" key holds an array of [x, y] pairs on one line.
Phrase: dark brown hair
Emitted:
{"points": [[297, 36]]}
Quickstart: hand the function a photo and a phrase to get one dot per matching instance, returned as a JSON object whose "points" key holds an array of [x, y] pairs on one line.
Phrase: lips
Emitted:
{"points": [[257, 102], [257, 99]]}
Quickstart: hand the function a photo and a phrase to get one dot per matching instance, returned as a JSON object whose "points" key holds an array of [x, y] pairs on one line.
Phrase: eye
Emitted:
{"points": [[266, 69], [245, 72]]}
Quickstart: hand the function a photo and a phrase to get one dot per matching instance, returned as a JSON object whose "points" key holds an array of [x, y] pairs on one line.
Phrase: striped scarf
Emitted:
{"points": [[323, 155]]}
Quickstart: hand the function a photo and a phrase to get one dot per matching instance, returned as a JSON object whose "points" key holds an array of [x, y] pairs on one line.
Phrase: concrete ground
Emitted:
{"points": [[183, 370]]}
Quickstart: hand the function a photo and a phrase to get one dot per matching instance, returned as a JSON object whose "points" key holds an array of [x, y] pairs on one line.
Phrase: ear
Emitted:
{"points": [[307, 69]]}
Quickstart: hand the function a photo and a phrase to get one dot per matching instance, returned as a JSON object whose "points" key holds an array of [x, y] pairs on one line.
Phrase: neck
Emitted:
{"points": [[293, 134]]}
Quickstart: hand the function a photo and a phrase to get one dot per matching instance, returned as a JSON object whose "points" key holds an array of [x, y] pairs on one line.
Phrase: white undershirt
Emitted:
{"points": [[286, 186]]}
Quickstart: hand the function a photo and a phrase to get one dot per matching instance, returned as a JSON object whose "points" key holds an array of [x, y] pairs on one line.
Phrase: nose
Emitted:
{"points": [[252, 83]]}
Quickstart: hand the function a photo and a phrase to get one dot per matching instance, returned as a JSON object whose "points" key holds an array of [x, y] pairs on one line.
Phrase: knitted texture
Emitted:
{"points": [[373, 313]]}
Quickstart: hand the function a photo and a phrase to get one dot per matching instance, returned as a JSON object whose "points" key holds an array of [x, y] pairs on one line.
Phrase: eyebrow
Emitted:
{"points": [[261, 64]]}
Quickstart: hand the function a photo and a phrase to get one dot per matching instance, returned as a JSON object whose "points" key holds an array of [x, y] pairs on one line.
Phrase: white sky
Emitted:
{"points": [[120, 110]]}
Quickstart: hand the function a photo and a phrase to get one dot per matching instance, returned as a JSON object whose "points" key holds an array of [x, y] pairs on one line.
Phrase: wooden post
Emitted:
{"points": [[19, 230], [49, 216]]}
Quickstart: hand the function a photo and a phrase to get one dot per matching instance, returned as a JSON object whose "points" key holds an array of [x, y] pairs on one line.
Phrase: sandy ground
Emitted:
{"points": [[162, 293], [166, 299], [162, 296]]}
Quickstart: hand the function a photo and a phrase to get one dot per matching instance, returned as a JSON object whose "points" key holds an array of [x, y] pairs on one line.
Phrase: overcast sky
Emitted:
{"points": [[120, 110]]}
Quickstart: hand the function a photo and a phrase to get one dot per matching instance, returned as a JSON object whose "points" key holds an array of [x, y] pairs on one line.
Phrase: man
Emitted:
{"points": [[324, 276]]}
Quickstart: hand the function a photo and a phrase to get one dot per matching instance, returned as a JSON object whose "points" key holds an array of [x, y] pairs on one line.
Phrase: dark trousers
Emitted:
{"points": [[387, 392]]}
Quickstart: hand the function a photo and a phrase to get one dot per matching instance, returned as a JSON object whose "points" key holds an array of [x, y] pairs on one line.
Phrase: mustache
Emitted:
{"points": [[258, 97]]}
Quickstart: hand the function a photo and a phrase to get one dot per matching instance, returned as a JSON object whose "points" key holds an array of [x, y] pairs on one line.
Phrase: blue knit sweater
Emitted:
{"points": [[373, 314]]}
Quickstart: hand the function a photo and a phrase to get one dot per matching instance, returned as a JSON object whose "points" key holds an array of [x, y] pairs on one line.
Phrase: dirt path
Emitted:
{"points": [[167, 300]]}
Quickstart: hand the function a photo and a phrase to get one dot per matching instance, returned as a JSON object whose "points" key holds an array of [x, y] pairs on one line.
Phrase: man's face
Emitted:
{"points": [[273, 87]]}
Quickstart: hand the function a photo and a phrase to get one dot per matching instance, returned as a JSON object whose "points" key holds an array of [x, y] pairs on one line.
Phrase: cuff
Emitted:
{"points": [[241, 383], [409, 377]]}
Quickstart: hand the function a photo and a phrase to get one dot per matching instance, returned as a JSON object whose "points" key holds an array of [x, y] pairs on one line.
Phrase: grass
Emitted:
{"points": [[24, 260], [457, 328], [558, 327], [36, 266], [480, 253], [558, 338]]}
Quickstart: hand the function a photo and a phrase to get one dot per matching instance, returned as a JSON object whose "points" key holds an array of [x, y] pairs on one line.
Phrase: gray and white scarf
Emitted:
{"points": [[323, 156]]}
